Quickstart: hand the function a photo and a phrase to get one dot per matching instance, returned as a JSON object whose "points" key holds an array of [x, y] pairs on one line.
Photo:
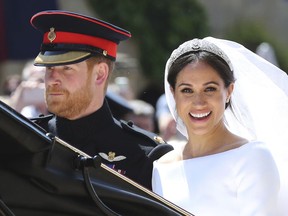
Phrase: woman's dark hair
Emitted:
{"points": [[213, 60], [216, 62]]}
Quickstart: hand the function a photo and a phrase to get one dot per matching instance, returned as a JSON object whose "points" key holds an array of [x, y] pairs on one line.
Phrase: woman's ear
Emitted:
{"points": [[230, 90], [102, 73]]}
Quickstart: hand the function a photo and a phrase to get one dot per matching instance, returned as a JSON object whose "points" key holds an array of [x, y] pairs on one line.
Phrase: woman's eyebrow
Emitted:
{"points": [[205, 84]]}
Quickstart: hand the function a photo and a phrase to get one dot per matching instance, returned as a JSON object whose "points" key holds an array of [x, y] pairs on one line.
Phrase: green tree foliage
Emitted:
{"points": [[158, 27]]}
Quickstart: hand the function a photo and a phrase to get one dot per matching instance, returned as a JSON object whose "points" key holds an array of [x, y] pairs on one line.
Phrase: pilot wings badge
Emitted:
{"points": [[111, 156]]}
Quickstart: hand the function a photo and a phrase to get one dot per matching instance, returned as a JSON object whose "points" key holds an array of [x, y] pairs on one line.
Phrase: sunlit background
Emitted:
{"points": [[157, 28]]}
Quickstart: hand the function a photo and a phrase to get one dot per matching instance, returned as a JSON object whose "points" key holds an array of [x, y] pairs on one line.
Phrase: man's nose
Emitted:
{"points": [[52, 75]]}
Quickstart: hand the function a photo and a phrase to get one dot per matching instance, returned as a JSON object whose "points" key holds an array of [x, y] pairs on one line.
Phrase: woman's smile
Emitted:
{"points": [[199, 115]]}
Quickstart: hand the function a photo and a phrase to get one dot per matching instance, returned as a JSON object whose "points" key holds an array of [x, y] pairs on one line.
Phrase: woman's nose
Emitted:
{"points": [[199, 99]]}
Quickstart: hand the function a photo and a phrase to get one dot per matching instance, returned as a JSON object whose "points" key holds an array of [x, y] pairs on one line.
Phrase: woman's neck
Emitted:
{"points": [[217, 141]]}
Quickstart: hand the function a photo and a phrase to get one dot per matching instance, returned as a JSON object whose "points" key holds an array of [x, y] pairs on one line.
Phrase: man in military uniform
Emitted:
{"points": [[79, 54]]}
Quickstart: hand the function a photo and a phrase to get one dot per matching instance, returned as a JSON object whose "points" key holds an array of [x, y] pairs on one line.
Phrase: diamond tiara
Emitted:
{"points": [[198, 45]]}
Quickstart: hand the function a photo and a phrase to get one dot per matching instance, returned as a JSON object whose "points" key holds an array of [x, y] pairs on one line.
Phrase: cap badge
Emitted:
{"points": [[51, 35], [105, 52]]}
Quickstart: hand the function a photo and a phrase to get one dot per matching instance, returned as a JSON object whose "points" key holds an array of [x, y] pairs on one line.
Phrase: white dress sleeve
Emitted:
{"points": [[258, 183]]}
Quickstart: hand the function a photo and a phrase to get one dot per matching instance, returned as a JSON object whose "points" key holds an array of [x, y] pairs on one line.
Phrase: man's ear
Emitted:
{"points": [[102, 73]]}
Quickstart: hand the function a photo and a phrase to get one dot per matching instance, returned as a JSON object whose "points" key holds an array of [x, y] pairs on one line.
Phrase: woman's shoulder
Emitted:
{"points": [[170, 157], [257, 153], [254, 147], [174, 155]]}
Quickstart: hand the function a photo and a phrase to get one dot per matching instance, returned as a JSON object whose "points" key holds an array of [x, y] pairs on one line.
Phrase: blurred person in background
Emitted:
{"points": [[266, 51], [119, 106], [122, 86], [167, 124], [142, 114], [28, 97], [10, 84]]}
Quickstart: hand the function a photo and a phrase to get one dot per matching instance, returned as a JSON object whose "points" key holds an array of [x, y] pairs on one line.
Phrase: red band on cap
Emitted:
{"points": [[75, 38]]}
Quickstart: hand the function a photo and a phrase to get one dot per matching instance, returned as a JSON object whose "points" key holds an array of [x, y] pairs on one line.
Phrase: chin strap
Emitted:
{"points": [[85, 163]]}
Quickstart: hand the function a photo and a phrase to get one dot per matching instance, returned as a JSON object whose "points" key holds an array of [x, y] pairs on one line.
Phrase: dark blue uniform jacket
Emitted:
{"points": [[121, 145]]}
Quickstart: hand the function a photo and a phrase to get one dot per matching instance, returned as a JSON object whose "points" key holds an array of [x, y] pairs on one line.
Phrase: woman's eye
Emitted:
{"points": [[210, 89], [186, 90]]}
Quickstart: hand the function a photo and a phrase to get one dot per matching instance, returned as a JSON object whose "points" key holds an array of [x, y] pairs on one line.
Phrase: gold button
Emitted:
{"points": [[159, 139]]}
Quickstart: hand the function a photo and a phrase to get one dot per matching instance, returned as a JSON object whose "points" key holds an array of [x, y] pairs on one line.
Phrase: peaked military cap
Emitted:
{"points": [[70, 37]]}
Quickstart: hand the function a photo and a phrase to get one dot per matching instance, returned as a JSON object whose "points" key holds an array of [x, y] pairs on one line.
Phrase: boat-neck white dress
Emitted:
{"points": [[238, 182]]}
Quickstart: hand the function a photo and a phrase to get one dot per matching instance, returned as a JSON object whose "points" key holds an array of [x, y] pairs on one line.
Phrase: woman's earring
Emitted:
{"points": [[227, 100]]}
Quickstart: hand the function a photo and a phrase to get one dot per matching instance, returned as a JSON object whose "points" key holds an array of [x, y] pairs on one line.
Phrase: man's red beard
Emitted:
{"points": [[69, 105]]}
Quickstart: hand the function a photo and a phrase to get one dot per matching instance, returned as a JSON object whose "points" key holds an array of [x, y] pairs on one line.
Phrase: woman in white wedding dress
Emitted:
{"points": [[222, 97]]}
